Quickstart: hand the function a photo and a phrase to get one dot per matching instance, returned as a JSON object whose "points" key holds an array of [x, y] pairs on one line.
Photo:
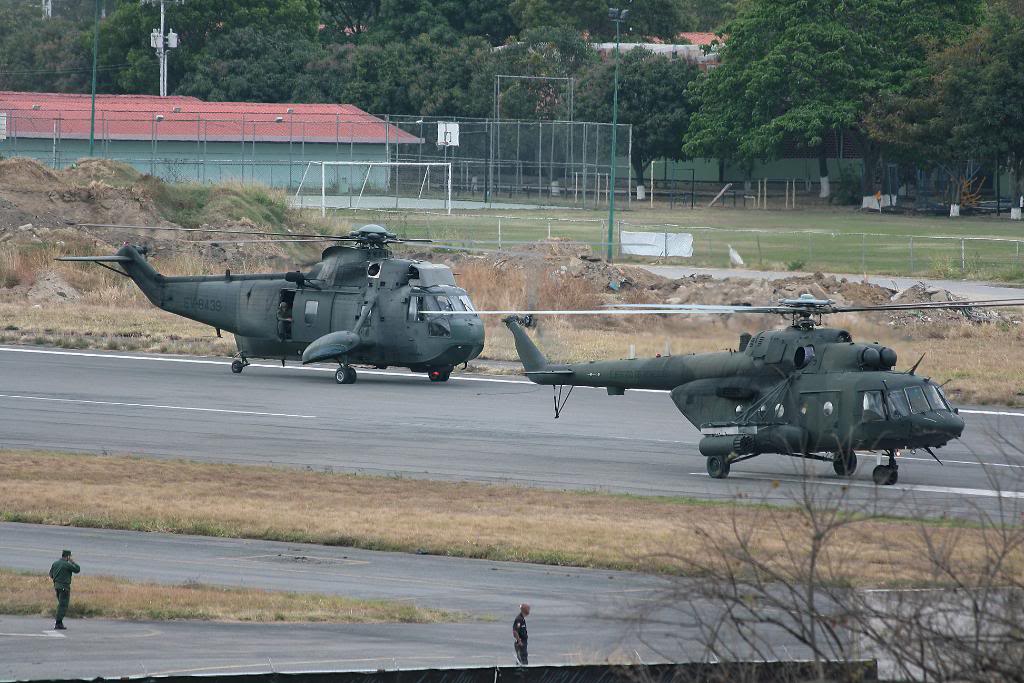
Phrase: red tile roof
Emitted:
{"points": [[133, 117], [697, 38]]}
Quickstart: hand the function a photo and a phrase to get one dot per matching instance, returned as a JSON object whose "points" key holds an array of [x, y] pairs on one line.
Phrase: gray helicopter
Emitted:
{"points": [[360, 305]]}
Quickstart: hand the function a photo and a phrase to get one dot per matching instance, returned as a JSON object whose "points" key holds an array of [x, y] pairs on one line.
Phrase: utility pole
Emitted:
{"points": [[95, 51], [617, 16], [162, 41]]}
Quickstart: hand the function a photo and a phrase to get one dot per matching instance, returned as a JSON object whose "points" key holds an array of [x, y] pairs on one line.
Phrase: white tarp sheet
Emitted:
{"points": [[662, 244]]}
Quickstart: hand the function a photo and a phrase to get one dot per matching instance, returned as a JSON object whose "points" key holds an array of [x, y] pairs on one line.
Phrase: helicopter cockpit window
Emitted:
{"points": [[444, 304], [898, 404], [872, 405], [918, 403], [420, 303], [467, 303], [935, 397]]}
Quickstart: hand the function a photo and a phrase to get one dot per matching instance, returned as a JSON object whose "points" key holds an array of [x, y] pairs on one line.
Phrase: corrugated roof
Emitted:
{"points": [[134, 117]]}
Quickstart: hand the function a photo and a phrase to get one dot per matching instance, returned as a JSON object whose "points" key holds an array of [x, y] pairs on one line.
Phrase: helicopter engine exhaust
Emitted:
{"points": [[739, 444], [775, 439]]}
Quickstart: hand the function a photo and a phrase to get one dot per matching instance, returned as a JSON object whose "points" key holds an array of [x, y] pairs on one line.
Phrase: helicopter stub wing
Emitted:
{"points": [[331, 346]]}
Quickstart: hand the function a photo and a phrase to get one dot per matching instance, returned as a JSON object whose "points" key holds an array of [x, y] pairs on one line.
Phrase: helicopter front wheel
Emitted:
{"points": [[440, 374], [885, 475], [718, 466], [845, 463], [237, 366], [345, 375]]}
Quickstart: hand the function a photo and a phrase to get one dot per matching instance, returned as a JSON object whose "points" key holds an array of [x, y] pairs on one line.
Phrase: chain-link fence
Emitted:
{"points": [[547, 163], [494, 162], [768, 249]]}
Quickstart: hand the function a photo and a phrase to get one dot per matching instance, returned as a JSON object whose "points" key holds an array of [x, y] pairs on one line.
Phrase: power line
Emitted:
{"points": [[62, 71]]}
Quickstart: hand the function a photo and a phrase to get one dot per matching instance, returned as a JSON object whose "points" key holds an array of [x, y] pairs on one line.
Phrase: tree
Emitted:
{"points": [[964, 109], [43, 54], [444, 20], [124, 37], [548, 51], [795, 70], [647, 18], [654, 96], [347, 19], [708, 15], [246, 64]]}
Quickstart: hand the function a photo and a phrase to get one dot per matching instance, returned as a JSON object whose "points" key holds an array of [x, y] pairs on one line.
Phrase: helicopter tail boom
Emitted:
{"points": [[532, 358]]}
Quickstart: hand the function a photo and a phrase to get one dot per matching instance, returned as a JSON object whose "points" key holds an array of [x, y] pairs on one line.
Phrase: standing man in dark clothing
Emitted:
{"points": [[61, 572], [520, 635]]}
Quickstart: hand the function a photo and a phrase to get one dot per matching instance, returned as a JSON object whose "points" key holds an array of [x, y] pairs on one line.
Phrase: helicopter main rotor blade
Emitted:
{"points": [[222, 231], [573, 312], [933, 305], [826, 308], [703, 308], [254, 233]]}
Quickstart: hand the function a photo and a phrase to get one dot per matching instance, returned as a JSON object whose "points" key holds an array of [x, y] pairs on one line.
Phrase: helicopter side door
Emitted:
{"points": [[311, 315], [819, 416]]}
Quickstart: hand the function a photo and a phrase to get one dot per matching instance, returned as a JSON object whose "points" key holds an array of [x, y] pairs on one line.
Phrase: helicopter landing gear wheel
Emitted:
{"points": [[885, 475], [345, 375], [238, 365], [845, 463], [718, 466], [439, 374]]}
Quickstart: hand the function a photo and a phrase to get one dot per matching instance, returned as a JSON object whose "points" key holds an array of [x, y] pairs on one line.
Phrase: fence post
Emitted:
{"points": [[499, 233], [549, 228], [963, 257], [863, 250], [911, 254]]}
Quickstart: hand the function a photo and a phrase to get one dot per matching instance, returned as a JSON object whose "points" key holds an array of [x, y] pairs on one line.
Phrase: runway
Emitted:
{"points": [[578, 615], [478, 428]]}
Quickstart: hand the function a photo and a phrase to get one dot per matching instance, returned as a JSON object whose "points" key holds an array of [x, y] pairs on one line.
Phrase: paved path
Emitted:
{"points": [[471, 428], [971, 289], [578, 615]]}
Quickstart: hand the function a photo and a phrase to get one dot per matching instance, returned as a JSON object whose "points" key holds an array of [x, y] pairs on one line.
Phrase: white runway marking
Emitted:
{"points": [[44, 634], [274, 366], [1005, 413], [152, 405], [906, 488]]}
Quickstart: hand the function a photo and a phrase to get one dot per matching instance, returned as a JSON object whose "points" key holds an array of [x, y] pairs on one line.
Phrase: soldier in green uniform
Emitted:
{"points": [[61, 572]]}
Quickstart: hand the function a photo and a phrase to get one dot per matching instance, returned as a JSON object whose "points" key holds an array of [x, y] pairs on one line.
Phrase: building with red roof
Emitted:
{"points": [[185, 138]]}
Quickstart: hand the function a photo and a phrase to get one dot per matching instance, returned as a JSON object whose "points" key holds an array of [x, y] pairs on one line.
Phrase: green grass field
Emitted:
{"points": [[828, 239]]}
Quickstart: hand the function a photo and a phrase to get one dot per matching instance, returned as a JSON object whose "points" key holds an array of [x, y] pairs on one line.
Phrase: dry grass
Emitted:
{"points": [[978, 359], [114, 328], [114, 598], [457, 519]]}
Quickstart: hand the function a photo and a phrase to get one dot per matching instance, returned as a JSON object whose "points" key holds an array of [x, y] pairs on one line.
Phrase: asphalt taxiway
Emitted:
{"points": [[478, 428], [579, 615]]}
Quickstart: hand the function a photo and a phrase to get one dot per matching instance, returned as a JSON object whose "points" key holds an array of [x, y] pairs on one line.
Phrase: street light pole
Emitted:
{"points": [[162, 41], [95, 50], [617, 16]]}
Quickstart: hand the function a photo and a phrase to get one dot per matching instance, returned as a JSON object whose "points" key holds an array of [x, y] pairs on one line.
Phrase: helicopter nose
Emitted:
{"points": [[937, 426]]}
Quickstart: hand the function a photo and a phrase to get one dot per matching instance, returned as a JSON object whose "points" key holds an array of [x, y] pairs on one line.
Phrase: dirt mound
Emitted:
{"points": [[103, 170], [26, 175], [577, 260], [922, 293], [703, 289], [50, 287], [32, 193]]}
